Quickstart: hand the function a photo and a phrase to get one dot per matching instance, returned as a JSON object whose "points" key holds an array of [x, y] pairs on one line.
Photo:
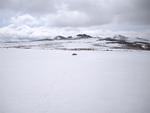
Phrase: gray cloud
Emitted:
{"points": [[78, 13], [28, 6], [137, 12]]}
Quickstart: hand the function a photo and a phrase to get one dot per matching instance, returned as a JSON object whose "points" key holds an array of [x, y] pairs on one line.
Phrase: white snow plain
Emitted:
{"points": [[54, 81]]}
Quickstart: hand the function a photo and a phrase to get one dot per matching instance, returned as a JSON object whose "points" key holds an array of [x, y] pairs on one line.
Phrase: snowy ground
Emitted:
{"points": [[54, 81]]}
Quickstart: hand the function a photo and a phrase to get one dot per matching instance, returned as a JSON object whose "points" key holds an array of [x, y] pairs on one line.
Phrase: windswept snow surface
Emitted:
{"points": [[54, 81]]}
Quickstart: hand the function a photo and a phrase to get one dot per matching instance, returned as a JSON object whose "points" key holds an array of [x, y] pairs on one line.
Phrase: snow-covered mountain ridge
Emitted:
{"points": [[78, 42]]}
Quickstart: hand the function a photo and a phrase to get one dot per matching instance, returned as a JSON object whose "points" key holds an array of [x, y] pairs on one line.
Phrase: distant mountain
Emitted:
{"points": [[121, 37], [128, 43], [83, 36], [79, 42], [79, 36], [60, 38]]}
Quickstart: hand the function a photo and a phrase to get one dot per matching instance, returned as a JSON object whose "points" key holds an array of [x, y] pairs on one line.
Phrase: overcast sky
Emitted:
{"points": [[48, 16]]}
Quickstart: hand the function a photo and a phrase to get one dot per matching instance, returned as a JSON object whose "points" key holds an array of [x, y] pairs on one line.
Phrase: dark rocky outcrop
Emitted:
{"points": [[81, 36]]}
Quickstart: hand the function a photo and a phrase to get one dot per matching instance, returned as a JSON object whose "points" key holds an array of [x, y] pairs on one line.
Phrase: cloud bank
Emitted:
{"points": [[45, 17]]}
